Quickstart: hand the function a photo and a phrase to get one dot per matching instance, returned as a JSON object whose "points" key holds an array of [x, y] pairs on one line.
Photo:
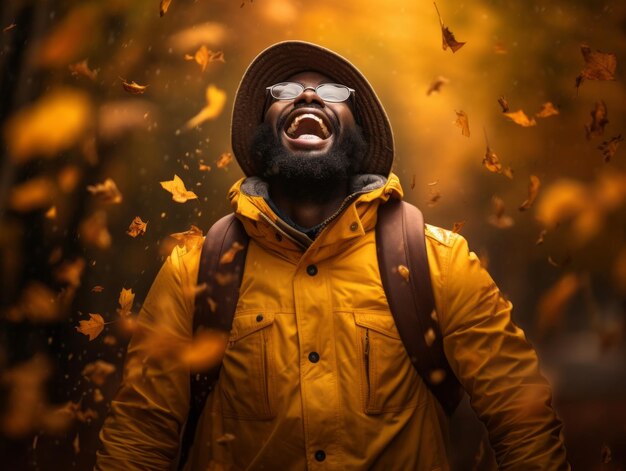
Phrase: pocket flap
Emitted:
{"points": [[247, 323], [378, 321]]}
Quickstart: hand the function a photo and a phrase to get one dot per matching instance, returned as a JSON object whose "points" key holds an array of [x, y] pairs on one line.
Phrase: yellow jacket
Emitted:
{"points": [[296, 389]]}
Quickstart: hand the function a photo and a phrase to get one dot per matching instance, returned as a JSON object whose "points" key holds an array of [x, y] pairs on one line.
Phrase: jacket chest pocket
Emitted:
{"points": [[247, 376], [389, 381]]}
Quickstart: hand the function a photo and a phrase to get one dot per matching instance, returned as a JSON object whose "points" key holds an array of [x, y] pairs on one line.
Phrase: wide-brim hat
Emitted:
{"points": [[282, 60]]}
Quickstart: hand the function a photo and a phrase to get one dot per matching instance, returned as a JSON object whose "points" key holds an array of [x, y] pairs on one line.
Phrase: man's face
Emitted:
{"points": [[308, 145]]}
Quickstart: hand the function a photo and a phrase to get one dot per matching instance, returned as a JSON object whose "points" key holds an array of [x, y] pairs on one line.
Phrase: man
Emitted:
{"points": [[315, 375]]}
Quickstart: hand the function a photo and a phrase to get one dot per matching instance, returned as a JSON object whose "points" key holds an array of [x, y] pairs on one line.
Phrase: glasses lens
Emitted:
{"points": [[286, 90], [333, 93]]}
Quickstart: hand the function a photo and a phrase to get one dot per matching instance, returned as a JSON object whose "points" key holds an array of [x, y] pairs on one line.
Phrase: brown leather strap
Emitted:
{"points": [[222, 292], [400, 241]]}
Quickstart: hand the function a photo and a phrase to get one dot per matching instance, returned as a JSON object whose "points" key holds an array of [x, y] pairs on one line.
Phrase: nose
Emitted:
{"points": [[309, 96]]}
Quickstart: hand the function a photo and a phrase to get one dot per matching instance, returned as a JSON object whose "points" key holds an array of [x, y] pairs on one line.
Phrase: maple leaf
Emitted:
{"points": [[81, 68], [458, 226], [106, 192], [164, 6], [533, 190], [229, 255], [609, 147], [137, 227], [499, 219], [224, 159], [598, 65], [134, 88], [216, 99], [98, 371], [519, 117], [176, 187], [204, 57], [598, 120], [436, 85], [92, 327], [447, 36], [462, 121], [503, 104], [547, 110], [126, 299]]}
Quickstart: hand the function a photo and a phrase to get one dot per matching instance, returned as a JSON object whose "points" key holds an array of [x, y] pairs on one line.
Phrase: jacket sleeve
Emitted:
{"points": [[496, 365], [142, 429]]}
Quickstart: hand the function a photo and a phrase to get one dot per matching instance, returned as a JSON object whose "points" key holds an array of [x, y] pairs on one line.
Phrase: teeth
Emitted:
{"points": [[294, 125]]}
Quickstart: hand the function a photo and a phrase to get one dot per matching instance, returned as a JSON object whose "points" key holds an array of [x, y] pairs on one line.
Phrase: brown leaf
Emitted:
{"points": [[106, 192], [499, 219], [436, 85], [547, 110], [458, 226], [81, 68], [404, 272], [554, 301], [412, 181], [541, 237], [598, 121], [176, 187], [533, 190], [93, 230], [598, 65], [134, 88], [8, 28], [164, 6], [215, 99], [519, 117], [492, 163], [503, 104], [93, 327], [227, 437], [97, 289], [126, 300], [109, 340], [229, 255], [137, 227], [462, 122], [605, 454], [566, 261], [609, 147], [204, 57], [224, 159], [98, 371], [433, 197], [447, 36]]}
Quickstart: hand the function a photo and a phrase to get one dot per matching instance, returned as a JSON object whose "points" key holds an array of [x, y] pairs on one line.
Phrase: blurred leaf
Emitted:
{"points": [[68, 178], [224, 160], [189, 239], [8, 28], [216, 99], [164, 6], [93, 230], [541, 237], [176, 187], [500, 48], [205, 56], [37, 303], [226, 438], [126, 300], [137, 227], [81, 68], [547, 110], [598, 65], [51, 125], [609, 147], [92, 327], [437, 376], [434, 195], [98, 371], [499, 219], [503, 104], [519, 117], [97, 289], [533, 190], [133, 87], [404, 272], [598, 121], [204, 168], [211, 33], [462, 122], [553, 302], [229, 255], [436, 85], [447, 36], [106, 192], [36, 193], [458, 226], [205, 350], [70, 272], [51, 213]]}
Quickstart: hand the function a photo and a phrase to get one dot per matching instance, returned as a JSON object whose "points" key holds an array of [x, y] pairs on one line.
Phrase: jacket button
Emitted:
{"points": [[314, 357], [320, 455], [259, 318], [354, 226], [311, 270]]}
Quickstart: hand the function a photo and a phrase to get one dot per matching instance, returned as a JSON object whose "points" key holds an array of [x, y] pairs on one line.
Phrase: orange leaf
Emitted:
{"points": [[533, 190], [229, 255], [436, 85], [205, 351], [204, 168], [609, 147], [190, 238], [554, 301], [134, 88], [97, 289], [93, 230], [36, 193], [81, 68], [93, 327], [106, 192], [126, 299], [547, 109], [204, 57], [70, 272], [164, 6], [98, 371], [137, 227], [176, 187], [462, 122], [447, 36], [458, 226], [598, 65], [216, 99], [519, 117], [225, 159]]}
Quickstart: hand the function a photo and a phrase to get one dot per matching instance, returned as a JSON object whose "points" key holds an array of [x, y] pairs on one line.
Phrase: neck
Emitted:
{"points": [[309, 211]]}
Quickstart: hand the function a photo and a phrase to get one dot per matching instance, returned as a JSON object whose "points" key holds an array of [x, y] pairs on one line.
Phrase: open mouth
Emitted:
{"points": [[308, 130]]}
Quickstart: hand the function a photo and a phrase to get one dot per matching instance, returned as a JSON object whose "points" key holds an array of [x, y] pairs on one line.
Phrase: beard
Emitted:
{"points": [[304, 177]]}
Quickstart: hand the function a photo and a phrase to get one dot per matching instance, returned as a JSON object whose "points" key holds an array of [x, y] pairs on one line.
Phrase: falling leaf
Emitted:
{"points": [[205, 351], [109, 340], [98, 371], [176, 187], [541, 237], [447, 36], [436, 85], [137, 227], [93, 230], [134, 88], [51, 213], [553, 302], [126, 300], [36, 193], [204, 57], [93, 327], [6, 29], [76, 444], [429, 337], [492, 163], [224, 279], [605, 454], [458, 226], [224, 159], [70, 272], [499, 219], [598, 121], [412, 181], [81, 68], [433, 197], [519, 117], [68, 178], [533, 190], [437, 376], [97, 289], [164, 6], [106, 192], [433, 183], [609, 147], [37, 303], [503, 104], [53, 124], [566, 261], [500, 48], [204, 168], [547, 110], [190, 239], [229, 255], [227, 437], [462, 122], [598, 65], [216, 99], [404, 272]]}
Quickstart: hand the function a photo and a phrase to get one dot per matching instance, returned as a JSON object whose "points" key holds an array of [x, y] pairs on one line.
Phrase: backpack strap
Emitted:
{"points": [[214, 309], [400, 240]]}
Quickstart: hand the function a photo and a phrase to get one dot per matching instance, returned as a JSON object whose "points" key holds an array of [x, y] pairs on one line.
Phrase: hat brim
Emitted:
{"points": [[284, 59]]}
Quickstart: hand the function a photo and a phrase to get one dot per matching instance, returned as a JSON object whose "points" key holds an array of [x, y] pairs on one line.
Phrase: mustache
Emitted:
{"points": [[334, 122]]}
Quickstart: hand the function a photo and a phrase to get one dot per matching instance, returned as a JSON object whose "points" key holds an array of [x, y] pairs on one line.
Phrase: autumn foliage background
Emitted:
{"points": [[70, 128]]}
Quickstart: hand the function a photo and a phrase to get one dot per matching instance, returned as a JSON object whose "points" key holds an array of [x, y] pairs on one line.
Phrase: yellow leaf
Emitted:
{"points": [[404, 272], [106, 192], [126, 299], [134, 88], [190, 239], [519, 117], [533, 190], [229, 255], [205, 56], [547, 109], [225, 159], [216, 99], [137, 227], [554, 301], [176, 187], [98, 371], [93, 327], [205, 351]]}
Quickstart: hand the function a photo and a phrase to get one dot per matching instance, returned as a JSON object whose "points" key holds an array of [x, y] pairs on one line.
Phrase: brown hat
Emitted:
{"points": [[284, 59]]}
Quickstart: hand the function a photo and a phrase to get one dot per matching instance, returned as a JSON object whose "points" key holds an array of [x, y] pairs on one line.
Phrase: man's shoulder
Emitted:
{"points": [[441, 236]]}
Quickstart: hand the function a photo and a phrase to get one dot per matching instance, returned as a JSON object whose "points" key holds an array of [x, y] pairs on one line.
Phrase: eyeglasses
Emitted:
{"points": [[329, 92]]}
